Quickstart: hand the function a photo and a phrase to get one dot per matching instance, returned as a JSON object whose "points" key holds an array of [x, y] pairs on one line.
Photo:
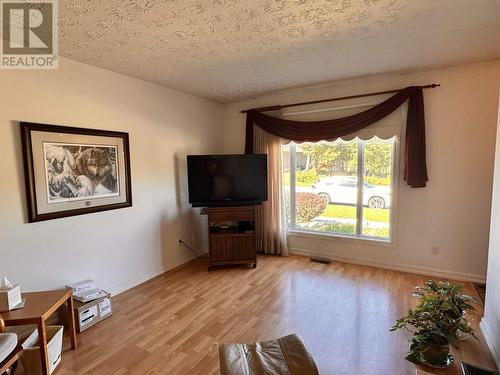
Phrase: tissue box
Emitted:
{"points": [[9, 298]]}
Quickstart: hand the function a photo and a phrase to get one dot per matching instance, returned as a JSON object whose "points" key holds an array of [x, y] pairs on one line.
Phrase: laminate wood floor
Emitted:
{"points": [[174, 323]]}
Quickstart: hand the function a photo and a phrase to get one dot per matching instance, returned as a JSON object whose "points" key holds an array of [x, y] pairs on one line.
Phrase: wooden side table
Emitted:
{"points": [[235, 245], [39, 306]]}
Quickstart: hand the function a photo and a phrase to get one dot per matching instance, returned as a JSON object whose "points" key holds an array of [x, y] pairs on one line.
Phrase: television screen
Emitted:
{"points": [[220, 180]]}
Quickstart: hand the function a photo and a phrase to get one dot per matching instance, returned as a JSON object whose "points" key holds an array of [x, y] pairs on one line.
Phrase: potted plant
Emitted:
{"points": [[436, 322], [453, 301]]}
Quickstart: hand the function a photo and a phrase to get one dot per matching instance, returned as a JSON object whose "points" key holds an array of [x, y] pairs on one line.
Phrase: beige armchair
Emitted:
{"points": [[10, 351], [283, 356]]}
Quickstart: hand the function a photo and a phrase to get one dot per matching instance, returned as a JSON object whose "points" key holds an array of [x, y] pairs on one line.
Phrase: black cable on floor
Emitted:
{"points": [[192, 250]]}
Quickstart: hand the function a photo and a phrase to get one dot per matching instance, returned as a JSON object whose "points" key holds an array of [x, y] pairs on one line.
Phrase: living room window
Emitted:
{"points": [[342, 188]]}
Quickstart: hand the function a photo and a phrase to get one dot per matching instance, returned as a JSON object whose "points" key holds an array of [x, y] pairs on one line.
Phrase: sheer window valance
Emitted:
{"points": [[329, 130]]}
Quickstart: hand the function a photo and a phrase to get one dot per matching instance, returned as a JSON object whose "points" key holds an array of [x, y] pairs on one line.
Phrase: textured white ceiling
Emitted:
{"points": [[229, 50]]}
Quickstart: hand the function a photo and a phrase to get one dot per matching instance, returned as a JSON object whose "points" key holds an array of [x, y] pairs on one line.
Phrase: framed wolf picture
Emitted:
{"points": [[73, 171]]}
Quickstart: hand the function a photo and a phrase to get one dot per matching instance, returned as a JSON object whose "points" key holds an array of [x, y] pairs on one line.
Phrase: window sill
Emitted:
{"points": [[343, 238]]}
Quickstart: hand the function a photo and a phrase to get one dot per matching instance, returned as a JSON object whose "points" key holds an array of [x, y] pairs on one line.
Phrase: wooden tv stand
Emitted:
{"points": [[231, 234]]}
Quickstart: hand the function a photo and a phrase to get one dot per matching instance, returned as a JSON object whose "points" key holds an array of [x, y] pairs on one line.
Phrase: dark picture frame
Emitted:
{"points": [[42, 202]]}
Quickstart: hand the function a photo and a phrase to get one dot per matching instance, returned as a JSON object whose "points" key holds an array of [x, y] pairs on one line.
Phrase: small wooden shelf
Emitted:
{"points": [[236, 244]]}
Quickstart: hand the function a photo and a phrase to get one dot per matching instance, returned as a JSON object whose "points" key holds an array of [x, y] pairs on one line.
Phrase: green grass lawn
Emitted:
{"points": [[349, 212]]}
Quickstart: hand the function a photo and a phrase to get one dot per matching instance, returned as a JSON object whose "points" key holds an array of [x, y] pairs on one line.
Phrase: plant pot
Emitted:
{"points": [[437, 356]]}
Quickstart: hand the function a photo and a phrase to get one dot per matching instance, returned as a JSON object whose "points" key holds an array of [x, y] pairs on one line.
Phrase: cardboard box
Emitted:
{"points": [[91, 313], [9, 298], [31, 356]]}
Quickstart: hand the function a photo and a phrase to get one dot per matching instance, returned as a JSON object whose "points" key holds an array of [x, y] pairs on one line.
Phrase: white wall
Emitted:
{"points": [[453, 211], [490, 324], [118, 248]]}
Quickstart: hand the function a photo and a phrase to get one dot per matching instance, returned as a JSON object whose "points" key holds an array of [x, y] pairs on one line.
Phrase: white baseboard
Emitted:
{"points": [[489, 338], [398, 267], [120, 288]]}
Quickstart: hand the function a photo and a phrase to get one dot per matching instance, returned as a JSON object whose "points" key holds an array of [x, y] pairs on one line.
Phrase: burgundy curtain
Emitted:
{"points": [[328, 130]]}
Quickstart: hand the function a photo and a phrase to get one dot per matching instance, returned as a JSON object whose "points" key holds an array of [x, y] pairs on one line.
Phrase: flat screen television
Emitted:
{"points": [[227, 180]]}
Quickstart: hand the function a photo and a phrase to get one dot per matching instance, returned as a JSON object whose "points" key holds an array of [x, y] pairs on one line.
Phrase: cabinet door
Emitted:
{"points": [[226, 249]]}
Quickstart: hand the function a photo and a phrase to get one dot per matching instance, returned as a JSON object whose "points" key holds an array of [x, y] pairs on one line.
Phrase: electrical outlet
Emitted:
{"points": [[435, 249]]}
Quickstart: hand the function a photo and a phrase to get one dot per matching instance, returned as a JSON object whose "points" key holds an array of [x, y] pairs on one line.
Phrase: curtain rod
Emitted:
{"points": [[278, 107]]}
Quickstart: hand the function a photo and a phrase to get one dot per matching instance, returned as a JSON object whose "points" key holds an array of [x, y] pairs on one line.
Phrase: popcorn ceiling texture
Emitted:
{"points": [[229, 50]]}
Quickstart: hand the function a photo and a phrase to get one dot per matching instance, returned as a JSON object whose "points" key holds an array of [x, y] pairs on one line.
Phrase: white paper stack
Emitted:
{"points": [[86, 290], [81, 286], [90, 295]]}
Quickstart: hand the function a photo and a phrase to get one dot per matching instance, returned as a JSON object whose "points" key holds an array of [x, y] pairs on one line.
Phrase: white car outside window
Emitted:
{"points": [[343, 189]]}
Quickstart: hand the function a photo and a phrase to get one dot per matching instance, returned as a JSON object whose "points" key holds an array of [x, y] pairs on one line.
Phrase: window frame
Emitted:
{"points": [[358, 237]]}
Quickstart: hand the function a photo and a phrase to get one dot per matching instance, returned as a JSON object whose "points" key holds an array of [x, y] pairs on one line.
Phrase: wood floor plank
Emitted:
{"points": [[175, 323]]}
